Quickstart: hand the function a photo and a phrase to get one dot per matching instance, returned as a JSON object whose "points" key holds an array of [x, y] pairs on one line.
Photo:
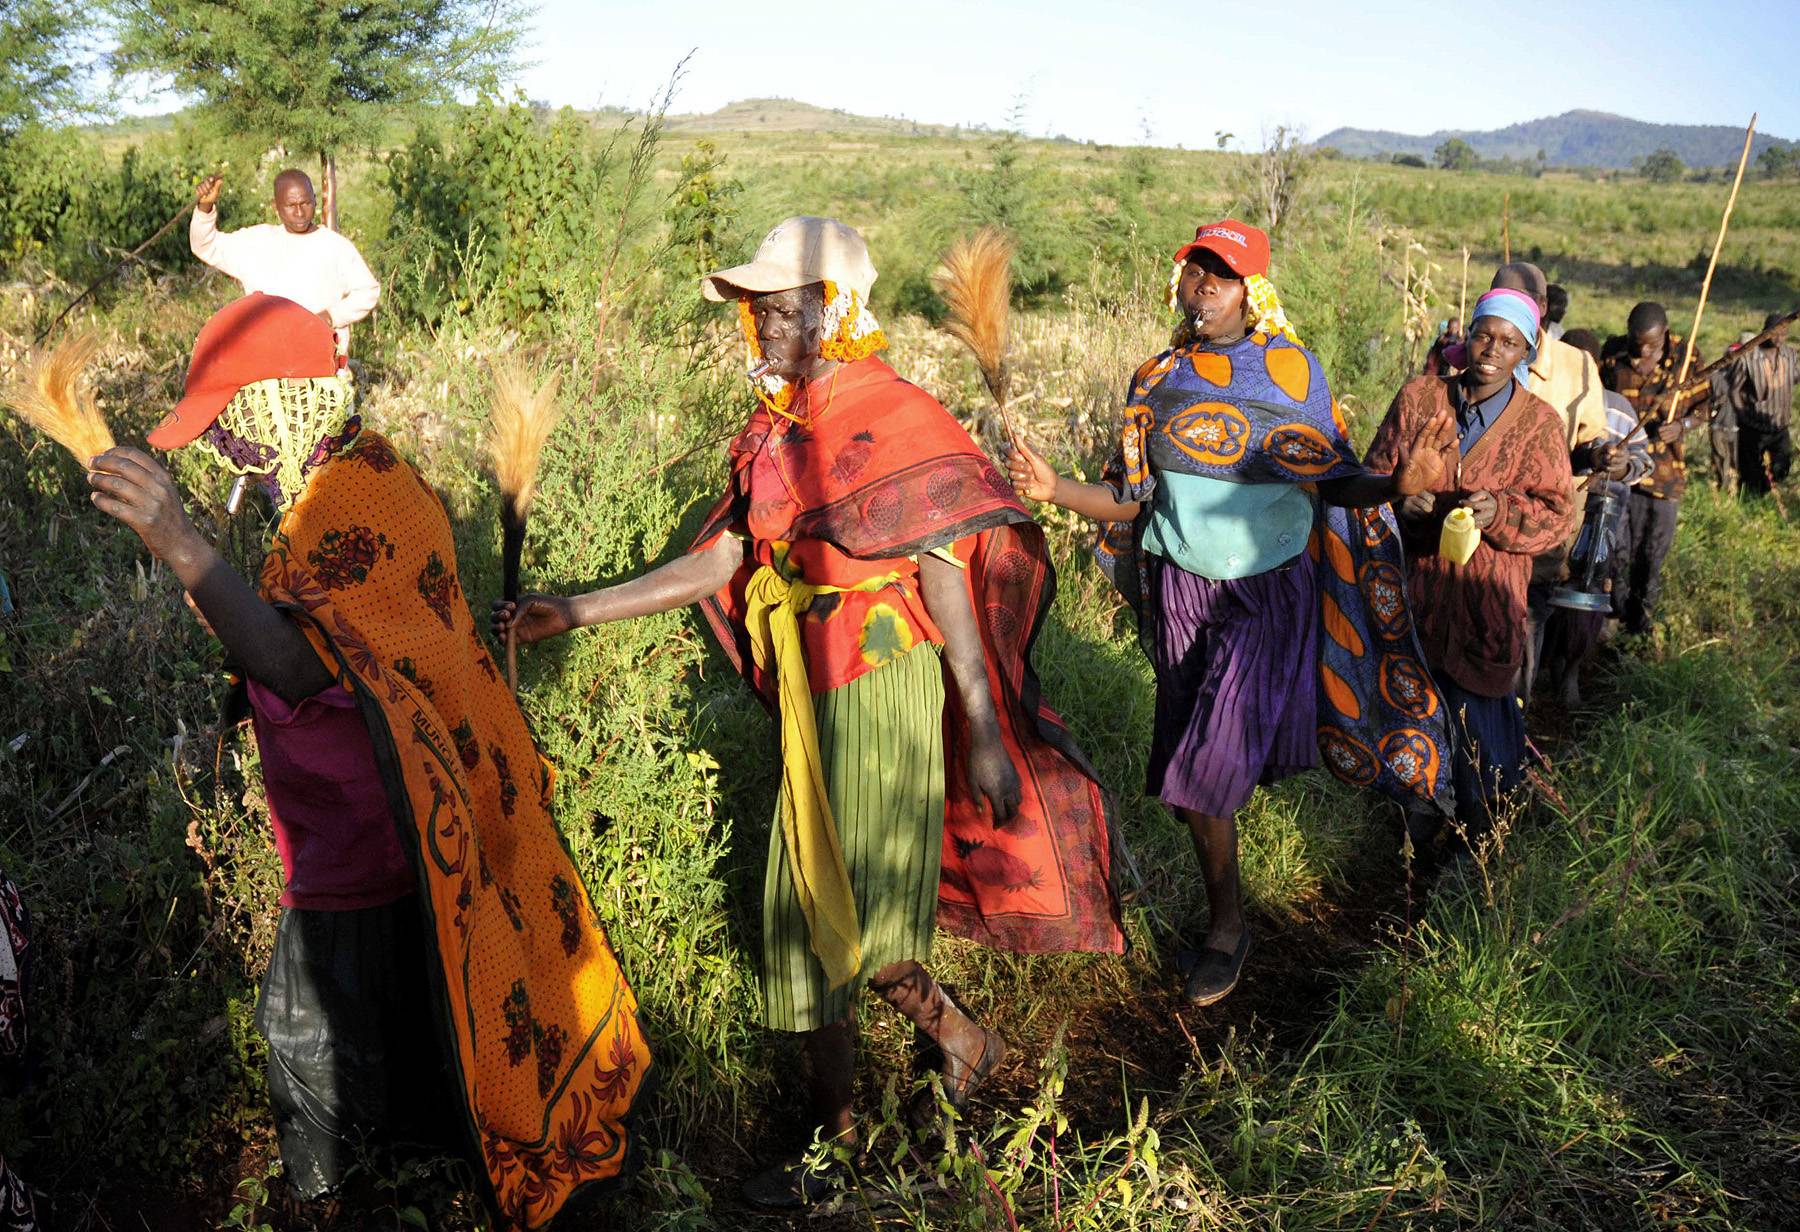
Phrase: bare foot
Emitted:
{"points": [[1570, 695]]}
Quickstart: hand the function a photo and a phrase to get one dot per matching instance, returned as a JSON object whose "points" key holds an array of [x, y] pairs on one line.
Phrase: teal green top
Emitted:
{"points": [[1223, 530]]}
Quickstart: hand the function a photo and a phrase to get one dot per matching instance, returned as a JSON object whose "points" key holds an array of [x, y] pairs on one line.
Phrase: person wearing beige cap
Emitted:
{"points": [[874, 578]]}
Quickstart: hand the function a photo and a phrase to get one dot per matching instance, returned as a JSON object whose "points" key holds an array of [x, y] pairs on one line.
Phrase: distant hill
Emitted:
{"points": [[750, 115], [786, 115], [1573, 139]]}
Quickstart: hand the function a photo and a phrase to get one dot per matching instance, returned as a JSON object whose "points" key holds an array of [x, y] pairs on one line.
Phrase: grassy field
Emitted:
{"points": [[1596, 1028]]}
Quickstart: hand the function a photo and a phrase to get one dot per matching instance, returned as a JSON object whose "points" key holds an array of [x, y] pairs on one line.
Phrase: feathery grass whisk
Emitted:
{"points": [[522, 417], [52, 398], [975, 279]]}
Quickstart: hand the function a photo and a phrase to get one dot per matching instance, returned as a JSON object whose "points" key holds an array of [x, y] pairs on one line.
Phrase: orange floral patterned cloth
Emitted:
{"points": [[548, 1050]]}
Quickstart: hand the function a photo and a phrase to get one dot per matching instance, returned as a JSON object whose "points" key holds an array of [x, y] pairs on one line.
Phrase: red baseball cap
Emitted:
{"points": [[252, 339], [1241, 246]]}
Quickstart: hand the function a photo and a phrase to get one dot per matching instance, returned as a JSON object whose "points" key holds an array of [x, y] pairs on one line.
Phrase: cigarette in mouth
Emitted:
{"points": [[761, 369]]}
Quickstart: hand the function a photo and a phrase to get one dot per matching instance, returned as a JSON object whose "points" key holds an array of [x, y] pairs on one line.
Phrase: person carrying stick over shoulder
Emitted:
{"points": [[1237, 523], [296, 259], [872, 575], [1644, 365]]}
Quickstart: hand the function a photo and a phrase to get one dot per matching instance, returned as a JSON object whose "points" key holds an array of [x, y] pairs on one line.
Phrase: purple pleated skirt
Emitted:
{"points": [[1236, 683]]}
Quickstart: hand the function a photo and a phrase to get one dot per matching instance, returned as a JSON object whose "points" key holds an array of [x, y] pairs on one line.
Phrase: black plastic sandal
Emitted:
{"points": [[1216, 973]]}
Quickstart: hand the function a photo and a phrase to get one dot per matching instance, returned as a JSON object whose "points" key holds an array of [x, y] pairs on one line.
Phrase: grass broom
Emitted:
{"points": [[521, 420], [51, 397], [975, 280]]}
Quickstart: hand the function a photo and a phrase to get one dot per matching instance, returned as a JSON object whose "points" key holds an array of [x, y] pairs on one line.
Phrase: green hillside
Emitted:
{"points": [[1573, 139]]}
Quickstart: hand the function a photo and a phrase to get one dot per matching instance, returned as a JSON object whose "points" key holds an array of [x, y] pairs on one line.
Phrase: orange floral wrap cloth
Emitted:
{"points": [[540, 1023]]}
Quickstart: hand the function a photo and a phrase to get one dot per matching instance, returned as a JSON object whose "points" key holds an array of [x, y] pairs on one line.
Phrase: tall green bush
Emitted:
{"points": [[75, 209], [502, 208]]}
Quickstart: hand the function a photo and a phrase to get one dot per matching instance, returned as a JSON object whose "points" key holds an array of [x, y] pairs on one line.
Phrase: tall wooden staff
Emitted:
{"points": [[521, 421], [1462, 299], [975, 279], [1506, 229], [1693, 341]]}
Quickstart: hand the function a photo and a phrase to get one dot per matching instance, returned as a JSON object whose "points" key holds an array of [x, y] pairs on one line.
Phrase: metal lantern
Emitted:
{"points": [[1589, 588]]}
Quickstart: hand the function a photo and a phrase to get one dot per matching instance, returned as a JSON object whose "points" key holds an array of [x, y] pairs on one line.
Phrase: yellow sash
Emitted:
{"points": [[815, 857]]}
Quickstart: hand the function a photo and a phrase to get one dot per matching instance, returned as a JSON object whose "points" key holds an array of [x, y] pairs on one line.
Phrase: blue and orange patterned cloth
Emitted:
{"points": [[1260, 411]]}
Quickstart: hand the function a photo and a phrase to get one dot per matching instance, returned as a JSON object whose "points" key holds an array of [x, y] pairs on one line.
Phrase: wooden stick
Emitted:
{"points": [[1712, 264], [1406, 309], [1506, 229], [1012, 433], [106, 277], [1462, 299], [1729, 356]]}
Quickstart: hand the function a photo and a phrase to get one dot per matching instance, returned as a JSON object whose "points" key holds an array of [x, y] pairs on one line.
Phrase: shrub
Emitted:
{"points": [[1455, 155], [1662, 167], [76, 210], [503, 210]]}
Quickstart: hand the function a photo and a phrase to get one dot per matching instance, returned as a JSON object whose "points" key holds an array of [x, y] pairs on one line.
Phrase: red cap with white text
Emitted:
{"points": [[1241, 246]]}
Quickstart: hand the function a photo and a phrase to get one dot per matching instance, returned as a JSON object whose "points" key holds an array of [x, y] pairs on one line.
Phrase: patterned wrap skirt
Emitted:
{"points": [[1488, 734], [882, 744], [1236, 666]]}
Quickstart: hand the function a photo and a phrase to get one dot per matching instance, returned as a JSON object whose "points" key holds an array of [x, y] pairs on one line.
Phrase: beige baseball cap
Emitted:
{"points": [[799, 251]]}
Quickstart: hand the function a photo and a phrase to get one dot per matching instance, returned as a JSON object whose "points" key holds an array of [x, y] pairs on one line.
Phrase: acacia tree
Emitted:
{"points": [[316, 75], [1662, 167], [41, 71], [1455, 155]]}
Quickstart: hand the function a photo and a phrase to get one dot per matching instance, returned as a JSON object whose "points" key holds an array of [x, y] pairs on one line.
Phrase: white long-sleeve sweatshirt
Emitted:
{"points": [[320, 270]]}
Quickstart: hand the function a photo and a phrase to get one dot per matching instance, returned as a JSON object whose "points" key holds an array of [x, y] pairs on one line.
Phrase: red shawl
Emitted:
{"points": [[883, 473]]}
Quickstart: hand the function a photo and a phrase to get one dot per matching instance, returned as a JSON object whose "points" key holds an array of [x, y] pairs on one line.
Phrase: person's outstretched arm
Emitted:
{"points": [[361, 290], [130, 486], [684, 580], [1033, 478], [1419, 465]]}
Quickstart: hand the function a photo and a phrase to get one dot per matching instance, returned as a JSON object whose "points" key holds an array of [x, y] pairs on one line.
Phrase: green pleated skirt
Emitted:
{"points": [[882, 745]]}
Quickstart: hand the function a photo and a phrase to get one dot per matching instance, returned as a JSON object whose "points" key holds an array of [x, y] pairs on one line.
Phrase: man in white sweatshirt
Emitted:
{"points": [[299, 260]]}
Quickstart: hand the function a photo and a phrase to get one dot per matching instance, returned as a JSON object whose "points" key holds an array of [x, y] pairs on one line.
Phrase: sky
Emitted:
{"points": [[1123, 71]]}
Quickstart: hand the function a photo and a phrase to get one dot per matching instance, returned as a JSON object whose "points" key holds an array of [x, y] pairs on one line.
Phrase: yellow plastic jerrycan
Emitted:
{"points": [[1460, 535]]}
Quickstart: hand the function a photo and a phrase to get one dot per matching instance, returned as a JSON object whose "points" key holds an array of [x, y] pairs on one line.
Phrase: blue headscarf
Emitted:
{"points": [[1518, 310]]}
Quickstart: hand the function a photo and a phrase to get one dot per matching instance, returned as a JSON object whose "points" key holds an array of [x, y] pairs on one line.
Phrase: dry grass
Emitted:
{"points": [[523, 417], [975, 279], [54, 398]]}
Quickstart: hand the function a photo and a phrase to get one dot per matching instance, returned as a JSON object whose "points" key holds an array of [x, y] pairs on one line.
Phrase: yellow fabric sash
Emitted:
{"points": [[773, 607]]}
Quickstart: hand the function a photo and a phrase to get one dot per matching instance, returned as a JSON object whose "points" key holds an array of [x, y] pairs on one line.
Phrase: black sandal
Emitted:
{"points": [[789, 1185], [1216, 973]]}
